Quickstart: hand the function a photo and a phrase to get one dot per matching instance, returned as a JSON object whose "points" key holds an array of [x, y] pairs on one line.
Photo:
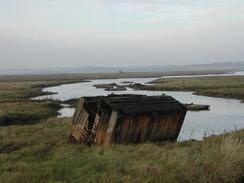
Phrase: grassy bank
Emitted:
{"points": [[39, 150], [16, 91], [226, 87], [16, 107], [41, 153]]}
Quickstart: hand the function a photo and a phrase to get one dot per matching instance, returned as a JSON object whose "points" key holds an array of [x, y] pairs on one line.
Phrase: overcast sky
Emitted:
{"points": [[70, 33]]}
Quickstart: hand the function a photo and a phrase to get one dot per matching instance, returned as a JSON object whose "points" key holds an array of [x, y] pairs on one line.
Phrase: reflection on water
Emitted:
{"points": [[66, 111], [224, 114]]}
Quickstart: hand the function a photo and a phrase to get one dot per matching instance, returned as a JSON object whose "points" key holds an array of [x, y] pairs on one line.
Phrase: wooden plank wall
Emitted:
{"points": [[110, 127], [101, 127], [145, 128], [79, 128]]}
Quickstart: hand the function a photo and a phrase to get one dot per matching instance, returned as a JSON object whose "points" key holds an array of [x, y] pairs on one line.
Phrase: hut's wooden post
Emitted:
{"points": [[94, 128], [111, 127], [78, 111], [79, 131], [76, 116]]}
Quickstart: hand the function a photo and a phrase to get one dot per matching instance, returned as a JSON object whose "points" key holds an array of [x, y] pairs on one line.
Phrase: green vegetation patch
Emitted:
{"points": [[224, 86], [26, 112], [16, 106], [41, 153]]}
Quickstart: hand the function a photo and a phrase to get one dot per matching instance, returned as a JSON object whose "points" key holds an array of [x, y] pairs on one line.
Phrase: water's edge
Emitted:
{"points": [[225, 115]]}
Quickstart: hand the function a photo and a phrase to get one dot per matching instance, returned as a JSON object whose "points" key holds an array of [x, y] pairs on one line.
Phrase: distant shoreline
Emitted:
{"points": [[89, 76]]}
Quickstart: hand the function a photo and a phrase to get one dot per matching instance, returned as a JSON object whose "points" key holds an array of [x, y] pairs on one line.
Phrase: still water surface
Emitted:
{"points": [[224, 115]]}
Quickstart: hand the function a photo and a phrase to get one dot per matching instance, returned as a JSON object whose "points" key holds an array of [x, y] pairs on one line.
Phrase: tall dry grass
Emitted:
{"points": [[41, 153]]}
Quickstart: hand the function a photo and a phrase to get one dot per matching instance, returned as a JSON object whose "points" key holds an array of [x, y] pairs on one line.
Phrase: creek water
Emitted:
{"points": [[224, 115]]}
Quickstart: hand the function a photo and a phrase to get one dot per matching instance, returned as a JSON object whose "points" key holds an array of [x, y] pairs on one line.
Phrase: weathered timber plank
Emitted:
{"points": [[111, 127]]}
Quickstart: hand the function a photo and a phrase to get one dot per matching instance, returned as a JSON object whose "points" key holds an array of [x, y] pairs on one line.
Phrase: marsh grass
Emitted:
{"points": [[27, 112], [224, 86], [42, 154], [16, 107]]}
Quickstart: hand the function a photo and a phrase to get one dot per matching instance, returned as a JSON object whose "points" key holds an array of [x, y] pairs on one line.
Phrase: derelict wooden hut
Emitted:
{"points": [[125, 119]]}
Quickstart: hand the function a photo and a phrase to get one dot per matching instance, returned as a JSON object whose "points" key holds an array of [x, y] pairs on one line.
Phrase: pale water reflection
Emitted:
{"points": [[66, 111], [224, 115]]}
